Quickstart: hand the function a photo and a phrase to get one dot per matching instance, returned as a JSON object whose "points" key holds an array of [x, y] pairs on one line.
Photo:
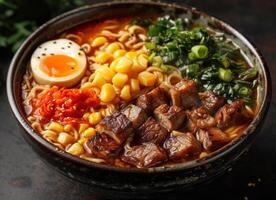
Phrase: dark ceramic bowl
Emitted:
{"points": [[185, 175]]}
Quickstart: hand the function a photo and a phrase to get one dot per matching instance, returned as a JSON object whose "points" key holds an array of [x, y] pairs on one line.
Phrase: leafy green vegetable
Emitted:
{"points": [[18, 19], [213, 61]]}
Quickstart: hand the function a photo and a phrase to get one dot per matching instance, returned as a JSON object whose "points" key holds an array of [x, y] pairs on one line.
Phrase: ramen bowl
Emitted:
{"points": [[156, 179]]}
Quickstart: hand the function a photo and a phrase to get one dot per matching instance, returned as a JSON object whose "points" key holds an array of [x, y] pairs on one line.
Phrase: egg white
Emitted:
{"points": [[58, 47]]}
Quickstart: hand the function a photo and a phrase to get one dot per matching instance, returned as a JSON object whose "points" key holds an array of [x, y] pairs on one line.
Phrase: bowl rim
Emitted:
{"points": [[175, 167]]}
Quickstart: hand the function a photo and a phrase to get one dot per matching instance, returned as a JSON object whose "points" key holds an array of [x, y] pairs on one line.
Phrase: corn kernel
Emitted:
{"points": [[106, 73], [119, 53], [86, 115], [134, 85], [87, 85], [143, 59], [65, 138], [124, 65], [83, 127], [54, 126], [98, 81], [125, 93], [146, 78], [114, 64], [119, 80], [76, 149], [131, 54], [51, 135], [98, 41], [102, 57], [203, 154], [112, 48], [88, 133], [107, 93], [95, 118], [68, 128], [82, 141], [136, 67]]}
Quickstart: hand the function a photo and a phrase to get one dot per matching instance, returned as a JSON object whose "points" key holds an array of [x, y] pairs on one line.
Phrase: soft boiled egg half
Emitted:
{"points": [[58, 62]]}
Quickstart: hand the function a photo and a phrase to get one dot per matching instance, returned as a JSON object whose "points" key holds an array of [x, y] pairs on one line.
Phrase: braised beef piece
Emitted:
{"points": [[152, 99], [117, 126], [181, 145], [151, 131], [103, 146], [145, 155], [211, 101], [135, 114], [112, 132], [232, 114], [212, 138], [200, 118], [184, 94], [170, 117]]}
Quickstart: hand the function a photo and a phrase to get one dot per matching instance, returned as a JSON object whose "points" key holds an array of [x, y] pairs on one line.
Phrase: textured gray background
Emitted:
{"points": [[24, 176]]}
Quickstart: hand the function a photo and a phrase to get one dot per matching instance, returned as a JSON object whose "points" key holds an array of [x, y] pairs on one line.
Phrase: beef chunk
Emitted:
{"points": [[135, 114], [145, 155], [117, 126], [200, 118], [103, 146], [151, 131], [212, 138], [170, 117], [152, 99], [211, 101], [181, 146], [232, 114], [184, 94], [112, 132]]}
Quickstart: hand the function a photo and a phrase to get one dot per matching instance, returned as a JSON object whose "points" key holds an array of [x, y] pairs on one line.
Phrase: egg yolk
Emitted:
{"points": [[59, 65]]}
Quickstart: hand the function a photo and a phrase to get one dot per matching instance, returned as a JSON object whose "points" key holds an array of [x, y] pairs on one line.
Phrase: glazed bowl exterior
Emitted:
{"points": [[158, 179]]}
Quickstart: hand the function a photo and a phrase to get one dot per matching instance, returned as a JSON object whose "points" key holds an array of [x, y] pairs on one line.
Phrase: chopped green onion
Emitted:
{"points": [[225, 62], [200, 51], [249, 74], [191, 56], [150, 45], [192, 70], [152, 55], [157, 61], [225, 74], [166, 68], [245, 91]]}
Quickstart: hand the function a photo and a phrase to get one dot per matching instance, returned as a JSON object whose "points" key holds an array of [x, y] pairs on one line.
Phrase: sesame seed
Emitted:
{"points": [[43, 54], [70, 42], [38, 57], [54, 42]]}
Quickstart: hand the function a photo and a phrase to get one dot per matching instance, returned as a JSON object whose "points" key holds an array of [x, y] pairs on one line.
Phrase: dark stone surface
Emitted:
{"points": [[24, 176]]}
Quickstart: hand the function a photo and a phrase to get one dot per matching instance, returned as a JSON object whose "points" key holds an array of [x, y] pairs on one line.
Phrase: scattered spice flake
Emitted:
{"points": [[259, 180]]}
